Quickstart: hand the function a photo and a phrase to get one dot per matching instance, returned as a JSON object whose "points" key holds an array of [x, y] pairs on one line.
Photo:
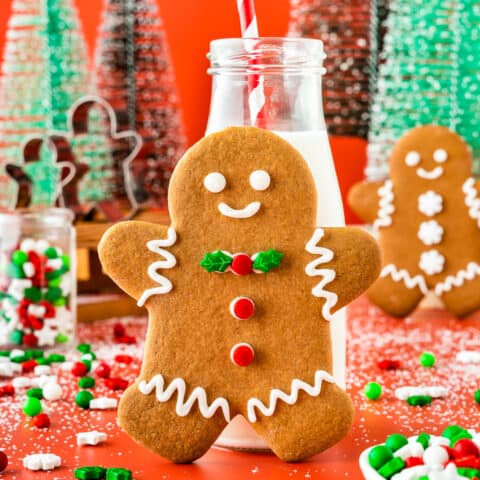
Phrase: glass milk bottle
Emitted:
{"points": [[37, 279], [291, 71]]}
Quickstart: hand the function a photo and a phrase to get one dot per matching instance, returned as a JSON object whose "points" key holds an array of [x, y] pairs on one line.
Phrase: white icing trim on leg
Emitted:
{"points": [[169, 262], [327, 274], [289, 398], [390, 270], [471, 199], [384, 218], [457, 280], [184, 406]]}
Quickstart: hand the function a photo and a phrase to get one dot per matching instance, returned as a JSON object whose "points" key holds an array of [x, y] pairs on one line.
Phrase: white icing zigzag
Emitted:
{"points": [[327, 274], [471, 199], [472, 270], [403, 276], [386, 209], [290, 399], [169, 262], [184, 406]]}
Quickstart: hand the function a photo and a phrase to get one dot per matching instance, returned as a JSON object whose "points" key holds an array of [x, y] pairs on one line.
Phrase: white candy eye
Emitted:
{"points": [[412, 159], [215, 182], [260, 180], [440, 155]]}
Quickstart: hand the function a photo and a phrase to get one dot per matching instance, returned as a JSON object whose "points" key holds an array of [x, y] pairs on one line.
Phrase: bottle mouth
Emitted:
{"points": [[48, 217], [266, 55]]}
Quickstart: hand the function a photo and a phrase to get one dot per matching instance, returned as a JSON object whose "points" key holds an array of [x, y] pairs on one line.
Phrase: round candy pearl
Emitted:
{"points": [[435, 455], [427, 359], [241, 264], [79, 369], [372, 391], [82, 399], [379, 456], [32, 406], [19, 257], [52, 391], [242, 308], [242, 354], [465, 447], [3, 461], [41, 420], [103, 370]]}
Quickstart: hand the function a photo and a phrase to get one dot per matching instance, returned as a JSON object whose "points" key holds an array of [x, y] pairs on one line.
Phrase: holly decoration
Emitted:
{"points": [[219, 261], [265, 261], [216, 261]]}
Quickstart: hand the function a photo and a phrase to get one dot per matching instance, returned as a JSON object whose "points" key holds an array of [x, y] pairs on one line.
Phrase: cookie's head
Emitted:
{"points": [[245, 183], [428, 154]]}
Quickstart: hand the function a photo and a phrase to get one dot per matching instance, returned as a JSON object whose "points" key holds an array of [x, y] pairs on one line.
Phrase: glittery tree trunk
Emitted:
{"points": [[350, 33], [45, 70], [135, 75], [428, 75]]}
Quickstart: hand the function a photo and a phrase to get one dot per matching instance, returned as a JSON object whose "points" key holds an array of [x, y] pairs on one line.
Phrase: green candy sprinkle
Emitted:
{"points": [[16, 337], [468, 472], [90, 356], [19, 359], [89, 473], [118, 474], [86, 382], [66, 262], [82, 399], [34, 294], [62, 338], [56, 282], [459, 436], [476, 396], [373, 391], [56, 358], [51, 252], [19, 257], [88, 364], [43, 361], [4, 353], [32, 353], [379, 456], [452, 431], [394, 466], [419, 400], [396, 441], [427, 359], [424, 440], [84, 347], [53, 294], [32, 406], [15, 271], [35, 393]]}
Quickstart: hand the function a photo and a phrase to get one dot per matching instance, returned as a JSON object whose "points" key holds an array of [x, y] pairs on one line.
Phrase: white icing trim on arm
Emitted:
{"points": [[457, 280], [327, 274], [249, 211], [390, 270], [169, 262], [384, 218], [471, 199], [184, 406], [290, 398]]}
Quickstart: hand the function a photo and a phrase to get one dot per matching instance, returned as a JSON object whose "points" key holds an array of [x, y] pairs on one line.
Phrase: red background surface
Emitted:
{"points": [[190, 26]]}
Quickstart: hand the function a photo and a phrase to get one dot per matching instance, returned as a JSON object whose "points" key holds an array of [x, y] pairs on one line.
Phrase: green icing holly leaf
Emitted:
{"points": [[216, 261], [265, 261]]}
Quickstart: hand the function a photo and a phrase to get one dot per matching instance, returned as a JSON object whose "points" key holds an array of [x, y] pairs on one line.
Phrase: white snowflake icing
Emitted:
{"points": [[430, 232], [430, 203], [432, 262]]}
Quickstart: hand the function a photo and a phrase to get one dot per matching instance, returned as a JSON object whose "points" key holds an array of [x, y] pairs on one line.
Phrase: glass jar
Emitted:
{"points": [[291, 71], [37, 278]]}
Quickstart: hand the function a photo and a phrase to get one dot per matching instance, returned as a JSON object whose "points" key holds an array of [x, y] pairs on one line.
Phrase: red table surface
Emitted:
{"points": [[372, 336]]}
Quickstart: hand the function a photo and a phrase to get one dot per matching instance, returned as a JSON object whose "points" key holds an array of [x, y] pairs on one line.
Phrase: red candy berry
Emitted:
{"points": [[79, 369], [388, 364], [126, 339], [242, 308], [103, 370], [241, 264], [41, 420], [242, 354], [28, 366], [116, 383], [470, 461], [413, 462], [119, 330], [3, 461], [465, 447], [30, 340], [124, 359], [7, 391]]}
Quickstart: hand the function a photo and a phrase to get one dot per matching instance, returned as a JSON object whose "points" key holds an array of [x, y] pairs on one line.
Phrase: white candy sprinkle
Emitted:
{"points": [[412, 449], [16, 352], [87, 356], [466, 356], [22, 382], [41, 245], [42, 370], [28, 269], [91, 438], [44, 380], [9, 369], [103, 403], [28, 244], [55, 263], [52, 391], [36, 310], [42, 461], [402, 393], [435, 455]]}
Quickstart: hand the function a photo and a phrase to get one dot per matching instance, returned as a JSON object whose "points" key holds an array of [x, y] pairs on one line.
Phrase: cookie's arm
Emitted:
{"points": [[133, 254], [347, 262], [363, 199]]}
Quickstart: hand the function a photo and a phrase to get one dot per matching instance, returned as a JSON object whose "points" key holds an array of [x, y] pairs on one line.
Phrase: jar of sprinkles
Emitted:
{"points": [[37, 278]]}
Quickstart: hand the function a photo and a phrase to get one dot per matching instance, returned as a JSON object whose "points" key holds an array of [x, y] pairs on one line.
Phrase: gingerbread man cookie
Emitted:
{"points": [[427, 215], [240, 290]]}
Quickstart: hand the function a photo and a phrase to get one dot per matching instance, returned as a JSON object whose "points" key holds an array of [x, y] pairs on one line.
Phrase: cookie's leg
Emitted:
{"points": [[394, 298], [464, 300], [311, 425], [156, 426]]}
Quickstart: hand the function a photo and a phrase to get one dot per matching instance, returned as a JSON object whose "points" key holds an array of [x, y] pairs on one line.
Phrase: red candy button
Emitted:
{"points": [[79, 369], [413, 462], [241, 264], [242, 354], [242, 308], [465, 447], [103, 370], [41, 420]]}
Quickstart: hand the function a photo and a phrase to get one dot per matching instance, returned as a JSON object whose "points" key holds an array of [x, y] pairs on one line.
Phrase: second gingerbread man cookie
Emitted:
{"points": [[427, 215], [240, 290]]}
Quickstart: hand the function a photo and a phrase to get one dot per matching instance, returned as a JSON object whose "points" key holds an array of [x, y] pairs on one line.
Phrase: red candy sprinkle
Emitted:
{"points": [[242, 308], [241, 264], [7, 391], [388, 364], [3, 461], [30, 340], [116, 383], [469, 461], [413, 462], [126, 339], [79, 369], [242, 354], [448, 450], [103, 370], [28, 366], [119, 330], [41, 420], [124, 359], [465, 447]]}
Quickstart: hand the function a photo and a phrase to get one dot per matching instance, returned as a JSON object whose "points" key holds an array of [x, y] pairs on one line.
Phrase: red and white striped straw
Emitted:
{"points": [[256, 96]]}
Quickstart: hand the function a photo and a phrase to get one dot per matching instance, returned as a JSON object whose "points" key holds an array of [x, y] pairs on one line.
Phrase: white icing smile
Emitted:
{"points": [[430, 174], [249, 211]]}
